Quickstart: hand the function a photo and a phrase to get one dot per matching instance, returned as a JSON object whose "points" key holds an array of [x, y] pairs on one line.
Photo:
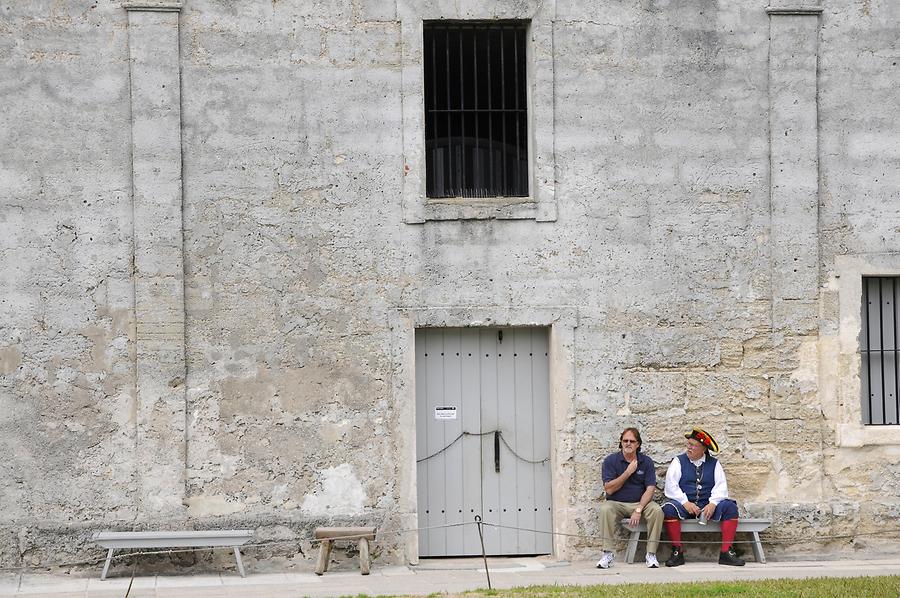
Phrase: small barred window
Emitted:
{"points": [[878, 346], [476, 117]]}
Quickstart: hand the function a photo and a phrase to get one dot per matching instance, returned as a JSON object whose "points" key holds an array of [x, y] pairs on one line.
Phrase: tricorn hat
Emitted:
{"points": [[704, 438]]}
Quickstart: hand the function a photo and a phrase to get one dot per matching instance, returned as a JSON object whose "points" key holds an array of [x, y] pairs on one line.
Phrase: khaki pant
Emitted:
{"points": [[613, 511]]}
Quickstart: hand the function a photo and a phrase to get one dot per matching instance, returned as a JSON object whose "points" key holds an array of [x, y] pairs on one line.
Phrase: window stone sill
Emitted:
{"points": [[501, 208], [858, 435]]}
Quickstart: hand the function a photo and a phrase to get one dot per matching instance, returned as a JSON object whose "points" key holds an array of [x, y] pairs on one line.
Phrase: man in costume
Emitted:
{"points": [[629, 479], [696, 487]]}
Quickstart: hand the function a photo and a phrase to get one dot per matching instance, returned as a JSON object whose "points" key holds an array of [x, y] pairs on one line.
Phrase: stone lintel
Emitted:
{"points": [[153, 6], [794, 10]]}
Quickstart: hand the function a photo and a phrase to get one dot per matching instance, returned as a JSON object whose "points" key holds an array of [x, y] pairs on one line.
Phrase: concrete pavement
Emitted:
{"points": [[449, 575]]}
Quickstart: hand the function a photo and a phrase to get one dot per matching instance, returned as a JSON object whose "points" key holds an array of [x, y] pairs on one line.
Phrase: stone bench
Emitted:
{"points": [[181, 539], [328, 535], [753, 526]]}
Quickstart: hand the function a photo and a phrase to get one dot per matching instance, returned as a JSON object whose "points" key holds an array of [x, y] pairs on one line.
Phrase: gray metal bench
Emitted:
{"points": [[182, 539], [753, 526]]}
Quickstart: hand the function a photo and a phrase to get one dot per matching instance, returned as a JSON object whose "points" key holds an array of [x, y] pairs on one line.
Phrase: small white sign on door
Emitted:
{"points": [[445, 412]]}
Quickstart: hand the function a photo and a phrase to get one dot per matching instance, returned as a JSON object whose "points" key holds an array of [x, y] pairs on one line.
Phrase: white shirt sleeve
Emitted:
{"points": [[673, 477], [720, 488]]}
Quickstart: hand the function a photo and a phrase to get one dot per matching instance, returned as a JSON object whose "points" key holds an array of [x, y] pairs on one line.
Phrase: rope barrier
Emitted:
{"points": [[486, 433], [517, 455], [124, 553], [593, 537], [131, 582], [768, 540]]}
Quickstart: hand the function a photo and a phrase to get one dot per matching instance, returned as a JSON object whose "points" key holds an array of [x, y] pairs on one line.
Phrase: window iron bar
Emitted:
{"points": [[869, 395], [504, 169], [450, 147], [462, 115], [896, 364], [490, 93], [881, 343], [477, 110], [475, 98], [516, 70], [433, 180]]}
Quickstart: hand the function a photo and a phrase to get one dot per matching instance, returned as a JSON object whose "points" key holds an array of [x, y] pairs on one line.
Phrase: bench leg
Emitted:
{"points": [[364, 556], [240, 563], [632, 546], [758, 549], [324, 557], [106, 566]]}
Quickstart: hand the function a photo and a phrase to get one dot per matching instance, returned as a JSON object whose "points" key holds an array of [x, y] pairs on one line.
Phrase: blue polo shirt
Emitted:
{"points": [[634, 487]]}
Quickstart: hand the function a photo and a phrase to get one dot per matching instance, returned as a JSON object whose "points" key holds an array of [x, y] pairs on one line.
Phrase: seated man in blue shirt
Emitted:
{"points": [[629, 479]]}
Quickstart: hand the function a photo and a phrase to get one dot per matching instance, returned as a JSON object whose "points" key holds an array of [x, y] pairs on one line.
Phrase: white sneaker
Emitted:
{"points": [[652, 563], [606, 560]]}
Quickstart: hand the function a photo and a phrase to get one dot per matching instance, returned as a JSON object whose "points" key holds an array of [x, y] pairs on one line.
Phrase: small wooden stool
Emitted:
{"points": [[331, 534]]}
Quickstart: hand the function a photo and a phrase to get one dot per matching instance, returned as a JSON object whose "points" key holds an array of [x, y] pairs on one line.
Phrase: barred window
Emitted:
{"points": [[880, 403], [476, 117]]}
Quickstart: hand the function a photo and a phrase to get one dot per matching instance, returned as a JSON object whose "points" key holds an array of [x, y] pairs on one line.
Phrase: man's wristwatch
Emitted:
{"points": [[639, 510]]}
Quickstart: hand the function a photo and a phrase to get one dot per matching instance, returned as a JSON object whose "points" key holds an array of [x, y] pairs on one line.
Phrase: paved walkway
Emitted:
{"points": [[452, 575]]}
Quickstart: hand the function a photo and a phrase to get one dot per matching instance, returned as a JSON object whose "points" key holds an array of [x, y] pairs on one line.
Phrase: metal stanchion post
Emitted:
{"points": [[483, 555]]}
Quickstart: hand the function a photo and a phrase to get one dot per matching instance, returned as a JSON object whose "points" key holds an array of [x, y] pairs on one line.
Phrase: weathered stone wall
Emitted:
{"points": [[859, 216], [296, 253], [66, 290], [292, 128], [664, 165]]}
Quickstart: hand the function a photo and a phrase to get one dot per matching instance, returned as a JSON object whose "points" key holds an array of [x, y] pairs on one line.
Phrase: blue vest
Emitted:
{"points": [[696, 484]]}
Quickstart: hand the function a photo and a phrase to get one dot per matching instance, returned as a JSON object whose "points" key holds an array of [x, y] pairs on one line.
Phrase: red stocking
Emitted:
{"points": [[729, 527], [673, 529]]}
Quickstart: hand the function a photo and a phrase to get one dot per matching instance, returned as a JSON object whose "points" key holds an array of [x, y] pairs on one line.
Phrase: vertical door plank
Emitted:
{"points": [[523, 441], [453, 456], [471, 422], [437, 492], [540, 349], [506, 415], [490, 490], [422, 443]]}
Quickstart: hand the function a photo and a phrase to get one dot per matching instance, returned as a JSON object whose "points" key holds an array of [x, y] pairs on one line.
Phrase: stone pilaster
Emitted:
{"points": [[794, 184], [158, 254], [794, 191]]}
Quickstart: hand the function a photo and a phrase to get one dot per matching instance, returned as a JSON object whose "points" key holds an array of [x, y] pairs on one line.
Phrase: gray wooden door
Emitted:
{"points": [[483, 440]]}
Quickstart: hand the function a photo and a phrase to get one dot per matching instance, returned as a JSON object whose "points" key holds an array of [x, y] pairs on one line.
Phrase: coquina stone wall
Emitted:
{"points": [[200, 283]]}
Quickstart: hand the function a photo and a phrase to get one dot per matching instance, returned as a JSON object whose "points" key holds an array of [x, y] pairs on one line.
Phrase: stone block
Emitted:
{"points": [[377, 45], [648, 392], [747, 480], [796, 316], [758, 432], [723, 393], [731, 353], [374, 10]]}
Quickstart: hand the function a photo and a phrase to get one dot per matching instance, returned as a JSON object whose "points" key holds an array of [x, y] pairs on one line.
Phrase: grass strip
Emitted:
{"points": [[822, 587]]}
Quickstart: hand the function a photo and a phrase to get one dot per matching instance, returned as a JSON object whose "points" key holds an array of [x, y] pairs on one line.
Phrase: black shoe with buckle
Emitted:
{"points": [[677, 557], [730, 557]]}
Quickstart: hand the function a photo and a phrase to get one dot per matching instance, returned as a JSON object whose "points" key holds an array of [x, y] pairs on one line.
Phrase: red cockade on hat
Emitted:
{"points": [[704, 438]]}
